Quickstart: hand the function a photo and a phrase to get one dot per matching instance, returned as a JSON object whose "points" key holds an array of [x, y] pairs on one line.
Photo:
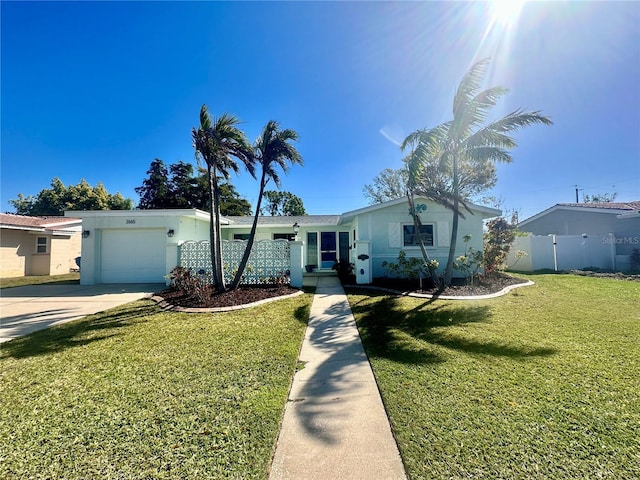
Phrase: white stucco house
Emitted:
{"points": [[132, 246]]}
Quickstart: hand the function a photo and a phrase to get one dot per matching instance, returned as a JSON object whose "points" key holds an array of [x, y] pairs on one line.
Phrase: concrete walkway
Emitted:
{"points": [[335, 425], [34, 307]]}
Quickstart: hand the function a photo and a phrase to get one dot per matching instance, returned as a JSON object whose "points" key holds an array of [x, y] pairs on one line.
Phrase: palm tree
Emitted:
{"points": [[216, 142], [449, 161], [272, 150]]}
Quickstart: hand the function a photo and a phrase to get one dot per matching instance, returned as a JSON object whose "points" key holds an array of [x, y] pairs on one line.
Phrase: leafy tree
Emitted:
{"points": [[217, 143], [272, 150], [498, 238], [282, 204], [451, 161], [154, 192], [231, 204], [58, 198], [387, 185], [600, 198], [182, 185], [178, 187]]}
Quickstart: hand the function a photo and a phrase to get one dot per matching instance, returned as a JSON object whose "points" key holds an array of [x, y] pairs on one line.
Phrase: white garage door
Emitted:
{"points": [[133, 256]]}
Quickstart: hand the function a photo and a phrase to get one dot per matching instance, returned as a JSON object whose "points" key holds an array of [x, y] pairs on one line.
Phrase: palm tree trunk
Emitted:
{"points": [[416, 228], [217, 276], [218, 246], [448, 272], [252, 236], [212, 230]]}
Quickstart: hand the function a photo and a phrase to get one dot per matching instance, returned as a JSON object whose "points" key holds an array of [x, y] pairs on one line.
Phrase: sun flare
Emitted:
{"points": [[506, 12]]}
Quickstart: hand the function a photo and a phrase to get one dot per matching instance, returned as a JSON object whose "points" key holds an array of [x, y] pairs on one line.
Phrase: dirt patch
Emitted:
{"points": [[240, 296]]}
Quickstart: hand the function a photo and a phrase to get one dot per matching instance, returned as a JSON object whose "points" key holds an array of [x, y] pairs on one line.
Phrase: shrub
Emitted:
{"points": [[183, 279], [345, 271], [470, 262], [497, 243], [410, 268]]}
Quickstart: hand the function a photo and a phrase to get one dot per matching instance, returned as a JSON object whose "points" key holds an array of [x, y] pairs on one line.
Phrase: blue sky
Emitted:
{"points": [[98, 90]]}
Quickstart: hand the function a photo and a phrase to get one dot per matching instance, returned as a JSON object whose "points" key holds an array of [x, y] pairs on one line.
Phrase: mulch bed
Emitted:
{"points": [[614, 275], [240, 296], [459, 288], [250, 294]]}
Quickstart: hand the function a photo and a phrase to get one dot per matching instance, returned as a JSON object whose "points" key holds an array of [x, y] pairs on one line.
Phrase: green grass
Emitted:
{"points": [[541, 383], [136, 392], [67, 278]]}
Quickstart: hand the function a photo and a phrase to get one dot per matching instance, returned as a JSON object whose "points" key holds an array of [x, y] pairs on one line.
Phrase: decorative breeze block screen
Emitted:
{"points": [[269, 259]]}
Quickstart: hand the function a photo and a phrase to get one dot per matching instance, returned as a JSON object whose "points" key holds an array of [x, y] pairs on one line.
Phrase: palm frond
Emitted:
{"points": [[469, 85]]}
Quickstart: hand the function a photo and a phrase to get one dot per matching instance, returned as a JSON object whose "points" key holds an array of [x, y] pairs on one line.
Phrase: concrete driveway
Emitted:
{"points": [[26, 309]]}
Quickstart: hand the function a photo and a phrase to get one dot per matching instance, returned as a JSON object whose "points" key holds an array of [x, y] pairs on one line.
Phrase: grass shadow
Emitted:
{"points": [[76, 333], [383, 323]]}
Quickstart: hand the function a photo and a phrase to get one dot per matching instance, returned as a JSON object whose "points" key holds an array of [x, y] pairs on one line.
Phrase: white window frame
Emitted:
{"points": [[433, 235], [45, 245]]}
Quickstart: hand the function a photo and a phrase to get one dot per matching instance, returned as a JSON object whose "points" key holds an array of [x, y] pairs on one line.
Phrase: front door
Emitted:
{"points": [[328, 250]]}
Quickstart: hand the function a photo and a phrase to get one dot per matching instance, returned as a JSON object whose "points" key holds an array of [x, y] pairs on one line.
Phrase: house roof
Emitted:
{"points": [[620, 209], [486, 211], [37, 224]]}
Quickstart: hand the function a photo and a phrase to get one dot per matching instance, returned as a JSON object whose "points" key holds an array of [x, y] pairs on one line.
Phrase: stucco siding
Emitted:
{"points": [[386, 233], [15, 249]]}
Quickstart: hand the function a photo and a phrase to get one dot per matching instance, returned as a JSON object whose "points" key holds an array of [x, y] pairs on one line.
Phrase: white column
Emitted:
{"points": [[363, 262], [296, 249]]}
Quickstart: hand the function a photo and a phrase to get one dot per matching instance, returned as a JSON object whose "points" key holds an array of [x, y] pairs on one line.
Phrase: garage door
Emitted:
{"points": [[133, 256]]}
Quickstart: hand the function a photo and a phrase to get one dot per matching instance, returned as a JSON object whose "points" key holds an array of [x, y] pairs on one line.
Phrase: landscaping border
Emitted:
{"points": [[502, 292], [176, 308]]}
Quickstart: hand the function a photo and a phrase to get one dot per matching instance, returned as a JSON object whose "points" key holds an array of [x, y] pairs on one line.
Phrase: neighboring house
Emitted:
{"points": [[38, 245], [614, 226], [143, 245]]}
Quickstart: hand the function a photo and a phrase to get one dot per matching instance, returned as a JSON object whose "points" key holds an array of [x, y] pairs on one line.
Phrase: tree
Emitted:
{"points": [[154, 192], [231, 204], [272, 150], [600, 198], [58, 198], [217, 143], [178, 187], [458, 157], [498, 238], [282, 204], [387, 185]]}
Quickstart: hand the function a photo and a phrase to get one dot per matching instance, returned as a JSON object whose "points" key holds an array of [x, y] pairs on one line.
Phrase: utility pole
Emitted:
{"points": [[577, 190]]}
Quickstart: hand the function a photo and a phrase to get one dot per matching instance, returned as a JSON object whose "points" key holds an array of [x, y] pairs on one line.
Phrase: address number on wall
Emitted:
{"points": [[130, 221]]}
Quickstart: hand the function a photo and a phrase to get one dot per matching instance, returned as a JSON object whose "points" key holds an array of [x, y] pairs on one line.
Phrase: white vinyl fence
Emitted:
{"points": [[565, 252]]}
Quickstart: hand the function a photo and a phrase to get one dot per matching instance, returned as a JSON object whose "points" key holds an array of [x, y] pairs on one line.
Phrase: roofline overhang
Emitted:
{"points": [[619, 212], [168, 212], [487, 211], [44, 230]]}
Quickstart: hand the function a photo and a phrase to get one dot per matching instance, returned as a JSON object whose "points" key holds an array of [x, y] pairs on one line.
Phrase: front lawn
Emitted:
{"points": [[136, 392], [66, 278], [541, 383]]}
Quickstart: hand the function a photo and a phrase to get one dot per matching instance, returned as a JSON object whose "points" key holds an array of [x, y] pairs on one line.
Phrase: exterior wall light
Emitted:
{"points": [[86, 233], [296, 228], [170, 233]]}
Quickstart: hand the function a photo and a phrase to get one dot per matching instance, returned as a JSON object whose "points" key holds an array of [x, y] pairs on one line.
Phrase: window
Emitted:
{"points": [[241, 236], [410, 239], [41, 245], [312, 248], [284, 236]]}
